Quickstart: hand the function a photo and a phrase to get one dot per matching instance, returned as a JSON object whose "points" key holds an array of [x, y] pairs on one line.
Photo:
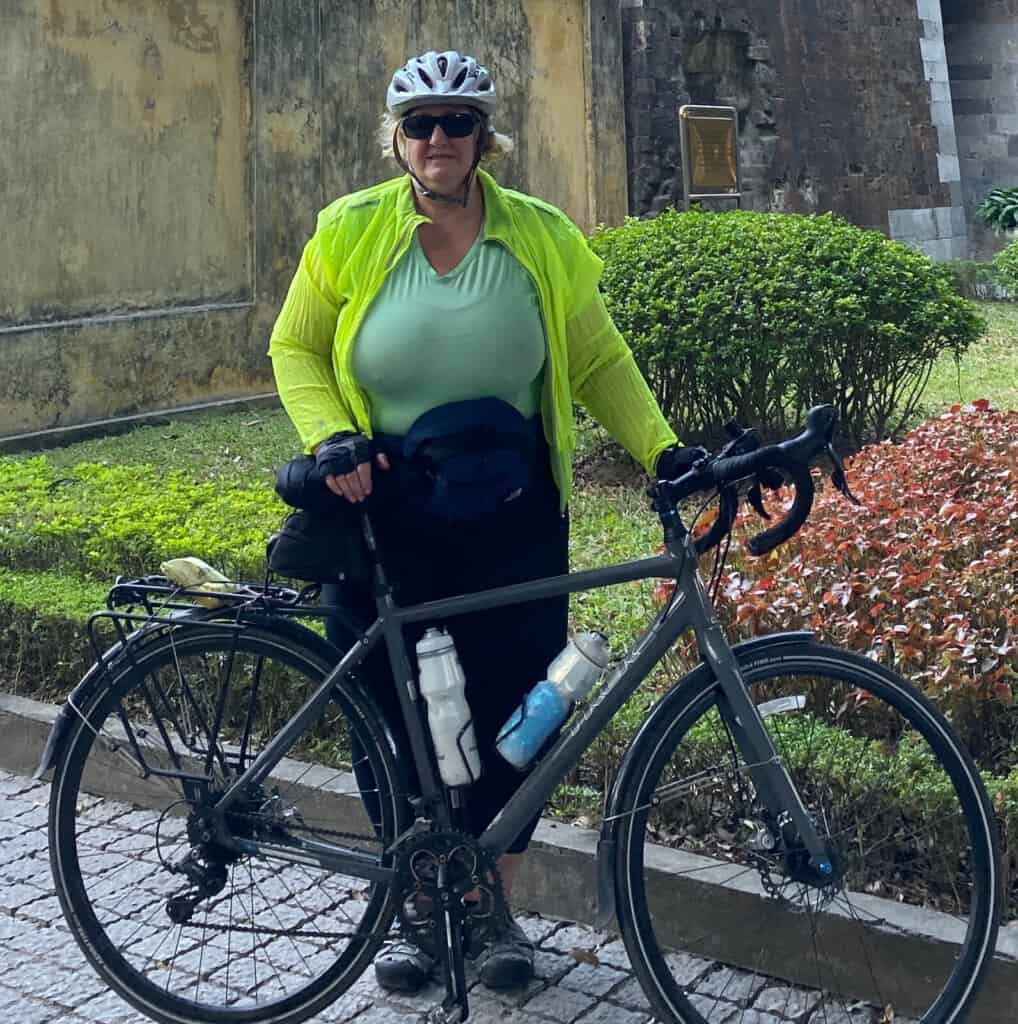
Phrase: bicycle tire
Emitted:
{"points": [[770, 947], [279, 941]]}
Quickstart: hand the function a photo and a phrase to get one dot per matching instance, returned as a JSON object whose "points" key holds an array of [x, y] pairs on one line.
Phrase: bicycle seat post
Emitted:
{"points": [[371, 543]]}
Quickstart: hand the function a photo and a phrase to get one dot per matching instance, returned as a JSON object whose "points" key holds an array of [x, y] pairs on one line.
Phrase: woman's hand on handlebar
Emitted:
{"points": [[356, 486], [345, 462], [677, 461]]}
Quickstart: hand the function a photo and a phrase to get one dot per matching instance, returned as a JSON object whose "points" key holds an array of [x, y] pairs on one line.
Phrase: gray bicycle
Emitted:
{"points": [[233, 834]]}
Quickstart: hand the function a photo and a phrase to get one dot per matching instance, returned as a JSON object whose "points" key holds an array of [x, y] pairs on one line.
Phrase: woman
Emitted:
{"points": [[440, 307]]}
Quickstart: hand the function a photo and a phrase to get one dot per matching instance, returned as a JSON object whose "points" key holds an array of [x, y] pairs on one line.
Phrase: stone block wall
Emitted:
{"points": [[941, 232], [833, 99], [981, 39]]}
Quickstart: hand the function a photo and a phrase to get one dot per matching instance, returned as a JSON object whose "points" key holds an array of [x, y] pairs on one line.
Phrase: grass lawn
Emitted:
{"points": [[988, 370], [241, 449]]}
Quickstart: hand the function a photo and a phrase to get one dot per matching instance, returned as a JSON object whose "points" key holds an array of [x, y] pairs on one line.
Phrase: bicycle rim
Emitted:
{"points": [[885, 780], [267, 940]]}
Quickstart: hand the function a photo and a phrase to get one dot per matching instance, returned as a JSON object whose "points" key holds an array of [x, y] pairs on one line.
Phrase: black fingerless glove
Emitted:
{"points": [[301, 481], [342, 454], [677, 461]]}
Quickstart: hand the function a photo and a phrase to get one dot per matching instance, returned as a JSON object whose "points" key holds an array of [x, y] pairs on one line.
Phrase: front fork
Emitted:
{"points": [[746, 725]]}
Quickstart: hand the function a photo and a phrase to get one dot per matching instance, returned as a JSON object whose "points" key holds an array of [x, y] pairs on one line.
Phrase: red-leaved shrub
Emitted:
{"points": [[923, 575]]}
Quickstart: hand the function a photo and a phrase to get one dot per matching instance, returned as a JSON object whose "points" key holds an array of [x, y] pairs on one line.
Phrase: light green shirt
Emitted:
{"points": [[431, 338]]}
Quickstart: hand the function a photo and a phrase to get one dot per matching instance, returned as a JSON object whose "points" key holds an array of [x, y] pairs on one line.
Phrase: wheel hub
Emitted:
{"points": [[206, 863]]}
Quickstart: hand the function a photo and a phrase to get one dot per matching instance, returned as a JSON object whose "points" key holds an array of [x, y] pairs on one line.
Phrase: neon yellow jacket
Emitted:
{"points": [[360, 237]]}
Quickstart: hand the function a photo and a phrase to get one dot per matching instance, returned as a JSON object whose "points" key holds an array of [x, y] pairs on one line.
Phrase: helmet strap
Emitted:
{"points": [[427, 193]]}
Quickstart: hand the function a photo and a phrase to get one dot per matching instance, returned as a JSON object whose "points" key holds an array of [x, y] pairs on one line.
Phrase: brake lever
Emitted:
{"points": [[755, 498], [838, 477]]}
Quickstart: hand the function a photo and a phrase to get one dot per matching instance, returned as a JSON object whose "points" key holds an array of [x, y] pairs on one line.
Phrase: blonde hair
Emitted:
{"points": [[496, 145]]}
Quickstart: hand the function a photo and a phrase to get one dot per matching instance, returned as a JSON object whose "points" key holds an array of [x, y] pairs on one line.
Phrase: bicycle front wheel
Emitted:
{"points": [[177, 922], [721, 918]]}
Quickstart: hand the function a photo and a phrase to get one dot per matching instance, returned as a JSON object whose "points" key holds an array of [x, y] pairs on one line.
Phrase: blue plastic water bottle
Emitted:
{"points": [[571, 676]]}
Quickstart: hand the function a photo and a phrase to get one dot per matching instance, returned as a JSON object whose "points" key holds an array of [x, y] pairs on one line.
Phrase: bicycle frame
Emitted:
{"points": [[689, 608]]}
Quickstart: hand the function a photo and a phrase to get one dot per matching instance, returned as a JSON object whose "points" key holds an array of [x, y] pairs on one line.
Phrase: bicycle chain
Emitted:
{"points": [[332, 832], [248, 930]]}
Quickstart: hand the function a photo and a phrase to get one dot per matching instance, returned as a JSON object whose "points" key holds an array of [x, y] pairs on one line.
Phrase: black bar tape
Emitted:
{"points": [[727, 471], [767, 541], [299, 483]]}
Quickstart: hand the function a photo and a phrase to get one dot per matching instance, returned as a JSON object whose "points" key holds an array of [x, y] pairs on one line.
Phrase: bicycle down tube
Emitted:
{"points": [[689, 608]]}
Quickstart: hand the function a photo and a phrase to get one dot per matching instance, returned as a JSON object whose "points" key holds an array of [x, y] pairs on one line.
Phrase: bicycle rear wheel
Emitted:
{"points": [[175, 922], [721, 923]]}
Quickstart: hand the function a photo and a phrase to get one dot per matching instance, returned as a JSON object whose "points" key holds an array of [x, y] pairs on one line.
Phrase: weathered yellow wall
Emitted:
{"points": [[169, 156], [538, 52], [129, 181]]}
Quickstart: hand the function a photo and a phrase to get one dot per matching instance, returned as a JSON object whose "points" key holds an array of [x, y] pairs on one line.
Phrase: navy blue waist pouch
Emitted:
{"points": [[462, 462]]}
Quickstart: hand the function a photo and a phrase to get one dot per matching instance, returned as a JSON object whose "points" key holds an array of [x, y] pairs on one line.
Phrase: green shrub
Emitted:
{"points": [[999, 209], [760, 316], [44, 649], [975, 279], [1005, 267]]}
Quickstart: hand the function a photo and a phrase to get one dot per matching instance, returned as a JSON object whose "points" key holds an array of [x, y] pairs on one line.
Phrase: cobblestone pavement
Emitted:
{"points": [[582, 975]]}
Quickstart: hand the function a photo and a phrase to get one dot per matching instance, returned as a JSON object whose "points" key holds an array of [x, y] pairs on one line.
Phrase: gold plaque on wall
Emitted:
{"points": [[710, 152]]}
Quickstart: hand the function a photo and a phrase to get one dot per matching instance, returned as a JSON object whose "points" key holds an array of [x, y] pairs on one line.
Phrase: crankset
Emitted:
{"points": [[451, 903]]}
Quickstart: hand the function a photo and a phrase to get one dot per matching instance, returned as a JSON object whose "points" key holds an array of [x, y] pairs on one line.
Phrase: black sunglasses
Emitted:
{"points": [[455, 126]]}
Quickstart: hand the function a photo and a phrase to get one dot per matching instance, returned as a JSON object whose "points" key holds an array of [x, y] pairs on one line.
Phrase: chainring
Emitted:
{"points": [[439, 870]]}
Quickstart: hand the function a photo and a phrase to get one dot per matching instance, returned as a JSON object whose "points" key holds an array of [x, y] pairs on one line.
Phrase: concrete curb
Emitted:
{"points": [[559, 880]]}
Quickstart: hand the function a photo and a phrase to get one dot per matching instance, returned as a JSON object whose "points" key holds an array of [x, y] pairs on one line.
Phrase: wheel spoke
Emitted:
{"points": [[193, 928], [868, 761]]}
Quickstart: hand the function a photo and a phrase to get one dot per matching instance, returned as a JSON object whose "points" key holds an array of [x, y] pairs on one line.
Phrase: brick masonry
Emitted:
{"points": [[857, 106], [941, 233], [981, 44]]}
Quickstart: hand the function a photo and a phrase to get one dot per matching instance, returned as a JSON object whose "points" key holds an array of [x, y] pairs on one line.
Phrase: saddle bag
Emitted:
{"points": [[322, 542]]}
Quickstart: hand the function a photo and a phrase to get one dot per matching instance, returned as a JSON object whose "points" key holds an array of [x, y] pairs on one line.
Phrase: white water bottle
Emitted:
{"points": [[571, 676], [452, 728]]}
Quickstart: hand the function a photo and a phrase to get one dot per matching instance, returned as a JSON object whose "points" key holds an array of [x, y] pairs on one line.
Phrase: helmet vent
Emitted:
{"points": [[426, 78], [443, 66], [460, 78]]}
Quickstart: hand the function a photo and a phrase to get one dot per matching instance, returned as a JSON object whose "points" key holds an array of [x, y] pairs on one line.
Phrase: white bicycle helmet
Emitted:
{"points": [[448, 77]]}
